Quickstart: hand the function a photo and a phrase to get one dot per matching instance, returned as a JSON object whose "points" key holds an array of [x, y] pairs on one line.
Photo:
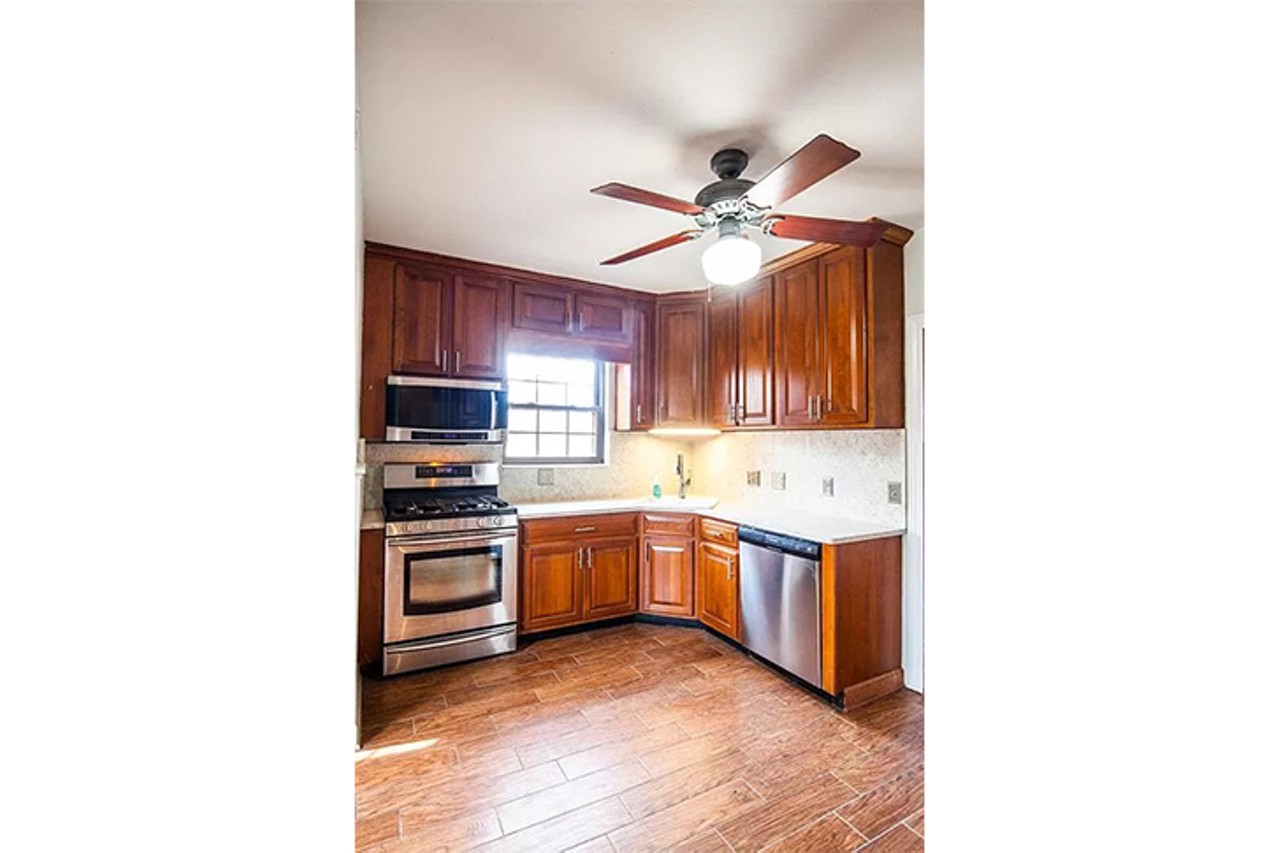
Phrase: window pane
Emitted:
{"points": [[522, 420], [551, 445], [551, 394], [582, 422], [582, 395], [582, 445], [522, 366], [553, 420], [580, 371], [521, 445], [521, 392]]}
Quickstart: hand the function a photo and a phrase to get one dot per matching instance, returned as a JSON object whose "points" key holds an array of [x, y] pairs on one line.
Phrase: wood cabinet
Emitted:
{"points": [[551, 585], [838, 327], [740, 356], [369, 605], [679, 362], [798, 353], [566, 312], [642, 363], [666, 575], [575, 570], [718, 588], [447, 323], [610, 588]]}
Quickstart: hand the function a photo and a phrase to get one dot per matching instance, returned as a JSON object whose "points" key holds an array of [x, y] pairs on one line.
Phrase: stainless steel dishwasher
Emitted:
{"points": [[781, 601]]}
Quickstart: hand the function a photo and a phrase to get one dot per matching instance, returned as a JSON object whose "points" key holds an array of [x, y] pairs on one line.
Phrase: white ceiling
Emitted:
{"points": [[484, 124]]}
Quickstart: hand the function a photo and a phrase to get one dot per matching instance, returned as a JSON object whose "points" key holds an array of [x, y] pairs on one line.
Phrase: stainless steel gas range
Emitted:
{"points": [[450, 565]]}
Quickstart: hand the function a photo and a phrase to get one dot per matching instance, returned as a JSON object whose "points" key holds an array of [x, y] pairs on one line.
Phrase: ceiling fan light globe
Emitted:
{"points": [[731, 260]]}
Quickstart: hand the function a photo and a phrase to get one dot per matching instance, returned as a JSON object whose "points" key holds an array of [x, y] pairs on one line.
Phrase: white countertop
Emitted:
{"points": [[829, 530]]}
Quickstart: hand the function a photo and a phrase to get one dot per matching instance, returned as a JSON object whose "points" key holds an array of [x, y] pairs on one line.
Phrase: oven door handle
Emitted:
{"points": [[449, 541], [435, 643]]}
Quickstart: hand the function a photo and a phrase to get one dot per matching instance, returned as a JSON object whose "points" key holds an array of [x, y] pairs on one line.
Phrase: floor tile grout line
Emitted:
{"points": [[855, 829]]}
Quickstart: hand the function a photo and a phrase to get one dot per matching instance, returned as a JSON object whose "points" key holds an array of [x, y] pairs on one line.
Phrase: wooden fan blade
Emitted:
{"points": [[825, 230], [819, 158], [656, 245], [639, 196]]}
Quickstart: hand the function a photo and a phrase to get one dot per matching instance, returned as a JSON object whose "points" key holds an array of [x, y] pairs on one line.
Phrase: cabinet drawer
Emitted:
{"points": [[680, 525], [577, 527], [710, 530]]}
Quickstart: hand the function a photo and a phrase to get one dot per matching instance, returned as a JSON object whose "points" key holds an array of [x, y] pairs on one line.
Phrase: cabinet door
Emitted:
{"points": [[843, 275], [680, 362], [420, 336], [666, 576], [722, 359], [642, 384], [479, 305], [718, 588], [610, 577], [551, 585], [796, 374], [604, 317], [541, 308], [755, 354]]}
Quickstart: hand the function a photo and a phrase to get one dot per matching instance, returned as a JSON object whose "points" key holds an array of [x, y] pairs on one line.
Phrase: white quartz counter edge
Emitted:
{"points": [[830, 531]]}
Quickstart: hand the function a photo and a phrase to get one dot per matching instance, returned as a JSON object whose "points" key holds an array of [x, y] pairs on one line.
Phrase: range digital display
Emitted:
{"points": [[423, 472]]}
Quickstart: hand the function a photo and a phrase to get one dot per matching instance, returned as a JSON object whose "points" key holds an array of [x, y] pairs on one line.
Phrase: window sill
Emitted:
{"points": [[554, 464]]}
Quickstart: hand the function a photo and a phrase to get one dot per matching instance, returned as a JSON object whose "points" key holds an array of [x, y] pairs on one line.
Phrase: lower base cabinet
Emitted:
{"points": [[667, 577], [551, 587], [575, 570], [718, 588], [610, 578]]}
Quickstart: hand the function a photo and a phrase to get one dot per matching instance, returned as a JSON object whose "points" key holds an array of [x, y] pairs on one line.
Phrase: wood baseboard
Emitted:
{"points": [[873, 688]]}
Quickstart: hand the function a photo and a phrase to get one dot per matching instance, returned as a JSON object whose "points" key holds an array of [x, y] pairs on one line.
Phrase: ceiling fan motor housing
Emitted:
{"points": [[728, 165]]}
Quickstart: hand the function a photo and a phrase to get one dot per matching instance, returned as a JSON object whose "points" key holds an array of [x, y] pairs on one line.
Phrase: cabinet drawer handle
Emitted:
{"points": [[583, 529]]}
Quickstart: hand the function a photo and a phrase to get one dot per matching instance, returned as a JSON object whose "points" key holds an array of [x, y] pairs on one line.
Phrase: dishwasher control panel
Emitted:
{"points": [[780, 542]]}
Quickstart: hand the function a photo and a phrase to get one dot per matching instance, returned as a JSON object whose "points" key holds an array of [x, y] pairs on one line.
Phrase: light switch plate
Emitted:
{"points": [[546, 477], [829, 487], [779, 479], [753, 478], [895, 493]]}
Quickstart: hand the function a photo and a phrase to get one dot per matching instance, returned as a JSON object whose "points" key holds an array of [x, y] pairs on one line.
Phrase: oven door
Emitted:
{"points": [[445, 584]]}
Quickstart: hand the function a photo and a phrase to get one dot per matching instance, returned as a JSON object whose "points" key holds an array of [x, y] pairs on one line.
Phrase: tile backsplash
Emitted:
{"points": [[862, 463]]}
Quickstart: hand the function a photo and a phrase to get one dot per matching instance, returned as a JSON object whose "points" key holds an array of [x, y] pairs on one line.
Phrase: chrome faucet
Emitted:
{"points": [[680, 474]]}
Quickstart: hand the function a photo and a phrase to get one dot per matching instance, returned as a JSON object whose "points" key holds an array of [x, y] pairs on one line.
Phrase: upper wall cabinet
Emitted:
{"points": [[740, 356], [838, 325], [446, 323], [572, 320], [680, 371]]}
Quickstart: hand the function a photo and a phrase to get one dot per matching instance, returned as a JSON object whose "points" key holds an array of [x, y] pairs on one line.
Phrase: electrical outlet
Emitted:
{"points": [[779, 479], [895, 493], [753, 478], [829, 487], [546, 476]]}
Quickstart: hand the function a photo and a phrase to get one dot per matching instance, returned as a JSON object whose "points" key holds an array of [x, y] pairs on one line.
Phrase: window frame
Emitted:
{"points": [[600, 409]]}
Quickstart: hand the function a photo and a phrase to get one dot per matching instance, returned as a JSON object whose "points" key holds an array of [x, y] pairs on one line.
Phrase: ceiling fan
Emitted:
{"points": [[732, 204]]}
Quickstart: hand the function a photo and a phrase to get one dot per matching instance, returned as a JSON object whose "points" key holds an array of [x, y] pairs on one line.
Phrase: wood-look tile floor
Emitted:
{"points": [[630, 738]]}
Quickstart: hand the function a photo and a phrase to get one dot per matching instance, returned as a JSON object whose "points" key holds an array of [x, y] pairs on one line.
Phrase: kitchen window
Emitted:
{"points": [[556, 410]]}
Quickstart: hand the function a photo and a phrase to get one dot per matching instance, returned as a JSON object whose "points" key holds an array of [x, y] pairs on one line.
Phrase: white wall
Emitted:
{"points": [[913, 542]]}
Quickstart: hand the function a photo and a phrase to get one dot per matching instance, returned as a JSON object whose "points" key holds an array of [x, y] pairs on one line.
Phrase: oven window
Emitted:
{"points": [[446, 581]]}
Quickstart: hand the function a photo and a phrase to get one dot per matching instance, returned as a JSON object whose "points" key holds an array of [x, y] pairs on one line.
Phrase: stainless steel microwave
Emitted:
{"points": [[446, 411]]}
